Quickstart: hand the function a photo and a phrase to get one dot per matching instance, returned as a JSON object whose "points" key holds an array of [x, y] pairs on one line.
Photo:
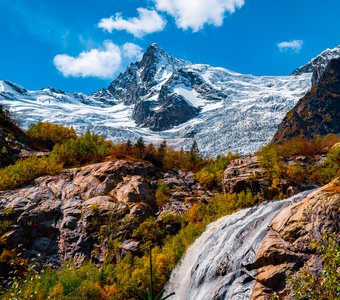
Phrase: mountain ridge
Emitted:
{"points": [[167, 98]]}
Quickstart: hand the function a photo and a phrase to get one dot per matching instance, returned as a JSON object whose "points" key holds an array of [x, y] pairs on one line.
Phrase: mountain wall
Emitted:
{"points": [[318, 112]]}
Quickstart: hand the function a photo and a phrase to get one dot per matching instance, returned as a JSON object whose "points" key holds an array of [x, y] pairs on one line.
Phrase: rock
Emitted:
{"points": [[245, 173], [60, 217], [74, 215], [14, 142], [287, 245], [133, 189], [130, 246]]}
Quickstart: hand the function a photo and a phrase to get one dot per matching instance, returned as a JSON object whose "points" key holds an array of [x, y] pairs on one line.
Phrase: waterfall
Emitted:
{"points": [[214, 266]]}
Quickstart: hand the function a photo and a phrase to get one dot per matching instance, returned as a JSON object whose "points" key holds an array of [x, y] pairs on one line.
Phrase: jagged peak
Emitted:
{"points": [[155, 55]]}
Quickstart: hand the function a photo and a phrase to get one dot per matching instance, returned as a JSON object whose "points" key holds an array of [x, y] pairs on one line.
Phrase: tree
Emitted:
{"points": [[194, 148], [140, 145]]}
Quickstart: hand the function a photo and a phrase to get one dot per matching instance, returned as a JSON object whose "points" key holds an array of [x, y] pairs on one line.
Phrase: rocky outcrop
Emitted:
{"points": [[149, 86], [245, 173], [287, 245], [318, 113], [75, 214]]}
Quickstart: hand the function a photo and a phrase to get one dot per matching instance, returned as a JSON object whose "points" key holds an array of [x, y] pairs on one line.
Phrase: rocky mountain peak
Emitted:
{"points": [[156, 56], [318, 64]]}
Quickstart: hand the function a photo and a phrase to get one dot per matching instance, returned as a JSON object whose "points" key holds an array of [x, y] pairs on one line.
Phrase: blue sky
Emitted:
{"points": [[79, 45]]}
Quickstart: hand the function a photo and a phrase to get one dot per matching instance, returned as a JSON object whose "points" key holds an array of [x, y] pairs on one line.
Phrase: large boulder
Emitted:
{"points": [[133, 189]]}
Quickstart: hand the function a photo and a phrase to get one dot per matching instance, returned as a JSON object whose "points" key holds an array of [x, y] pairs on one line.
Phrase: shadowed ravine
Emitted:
{"points": [[215, 266]]}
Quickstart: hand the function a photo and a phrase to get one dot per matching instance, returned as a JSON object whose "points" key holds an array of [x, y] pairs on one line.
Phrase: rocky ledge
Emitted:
{"points": [[75, 214]]}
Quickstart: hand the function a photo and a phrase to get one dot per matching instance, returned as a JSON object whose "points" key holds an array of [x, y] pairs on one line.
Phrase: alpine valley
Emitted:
{"points": [[166, 98], [241, 201]]}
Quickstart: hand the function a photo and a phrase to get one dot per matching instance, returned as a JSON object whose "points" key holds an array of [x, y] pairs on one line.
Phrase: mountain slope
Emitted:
{"points": [[163, 97], [318, 113]]}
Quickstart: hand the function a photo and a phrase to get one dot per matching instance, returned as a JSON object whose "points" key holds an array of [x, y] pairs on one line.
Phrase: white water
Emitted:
{"points": [[214, 265]]}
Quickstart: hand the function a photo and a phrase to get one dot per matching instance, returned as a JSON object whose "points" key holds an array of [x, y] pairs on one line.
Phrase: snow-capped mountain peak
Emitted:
{"points": [[7, 86], [318, 64]]}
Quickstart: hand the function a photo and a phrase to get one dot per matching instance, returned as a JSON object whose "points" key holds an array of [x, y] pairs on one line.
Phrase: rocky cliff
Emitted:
{"points": [[318, 112], [77, 213], [287, 246]]}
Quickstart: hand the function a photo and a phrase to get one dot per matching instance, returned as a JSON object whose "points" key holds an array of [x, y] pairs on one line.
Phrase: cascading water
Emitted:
{"points": [[214, 265]]}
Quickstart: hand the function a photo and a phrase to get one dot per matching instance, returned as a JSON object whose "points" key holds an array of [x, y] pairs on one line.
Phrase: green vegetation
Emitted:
{"points": [[131, 274], [74, 152], [324, 285], [82, 150], [162, 194], [26, 170], [48, 134], [210, 176], [274, 159]]}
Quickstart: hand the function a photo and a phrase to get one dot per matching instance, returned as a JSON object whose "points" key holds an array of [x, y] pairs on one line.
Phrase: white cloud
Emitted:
{"points": [[195, 14], [132, 51], [148, 21], [294, 45], [102, 63]]}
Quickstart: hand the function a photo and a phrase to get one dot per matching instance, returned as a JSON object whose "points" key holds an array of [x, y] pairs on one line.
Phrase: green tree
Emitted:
{"points": [[140, 145]]}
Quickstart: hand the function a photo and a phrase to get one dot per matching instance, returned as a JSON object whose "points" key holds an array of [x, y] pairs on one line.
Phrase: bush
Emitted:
{"points": [[324, 285], [210, 176], [85, 149], [48, 134], [273, 158], [162, 194], [26, 170]]}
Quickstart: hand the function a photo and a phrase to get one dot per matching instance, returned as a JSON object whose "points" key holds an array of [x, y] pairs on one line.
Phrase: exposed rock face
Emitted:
{"points": [[287, 245], [74, 214], [245, 173], [318, 113], [318, 64], [139, 86]]}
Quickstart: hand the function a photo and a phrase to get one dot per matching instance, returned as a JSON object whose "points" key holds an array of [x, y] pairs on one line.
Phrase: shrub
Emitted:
{"points": [[162, 194], [324, 285], [85, 149], [273, 158], [210, 176], [48, 134], [26, 170]]}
